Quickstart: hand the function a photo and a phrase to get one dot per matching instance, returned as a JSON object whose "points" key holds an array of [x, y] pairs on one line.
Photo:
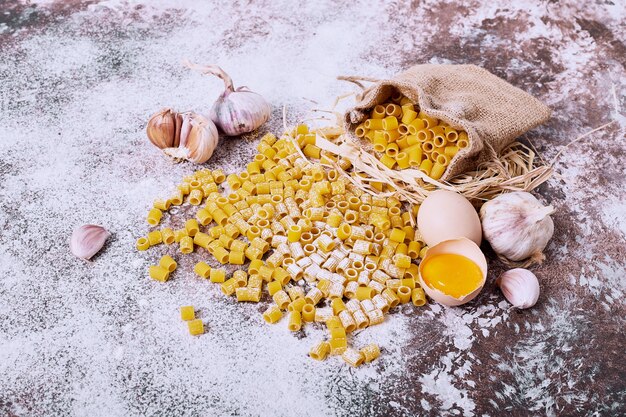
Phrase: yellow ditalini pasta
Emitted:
{"points": [[187, 313], [396, 131], [324, 250]]}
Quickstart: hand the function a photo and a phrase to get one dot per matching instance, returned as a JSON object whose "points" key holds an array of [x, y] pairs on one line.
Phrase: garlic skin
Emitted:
{"points": [[161, 128], [517, 226], [520, 287], [198, 139], [235, 111], [189, 136], [87, 240]]}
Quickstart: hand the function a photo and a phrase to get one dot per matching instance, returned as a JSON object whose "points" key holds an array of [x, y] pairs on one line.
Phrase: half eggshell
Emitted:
{"points": [[463, 247]]}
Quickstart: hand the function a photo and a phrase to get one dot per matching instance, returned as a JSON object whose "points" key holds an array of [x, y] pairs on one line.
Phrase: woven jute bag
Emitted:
{"points": [[491, 111]]}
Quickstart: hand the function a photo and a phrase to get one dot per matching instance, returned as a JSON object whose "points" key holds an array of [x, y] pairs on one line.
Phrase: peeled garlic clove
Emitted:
{"points": [[520, 287], [161, 128], [87, 240], [198, 139], [517, 226], [236, 111]]}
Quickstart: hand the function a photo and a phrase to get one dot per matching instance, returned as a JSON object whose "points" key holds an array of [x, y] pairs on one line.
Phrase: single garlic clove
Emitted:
{"points": [[87, 240], [162, 128], [236, 111], [520, 287], [201, 140], [198, 139]]}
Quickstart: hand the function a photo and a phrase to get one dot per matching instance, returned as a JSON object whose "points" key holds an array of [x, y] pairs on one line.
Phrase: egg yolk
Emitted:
{"points": [[452, 274]]}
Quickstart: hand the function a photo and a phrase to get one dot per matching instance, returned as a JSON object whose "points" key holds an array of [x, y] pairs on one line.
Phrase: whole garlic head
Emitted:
{"points": [[235, 111], [520, 287], [192, 138], [517, 226]]}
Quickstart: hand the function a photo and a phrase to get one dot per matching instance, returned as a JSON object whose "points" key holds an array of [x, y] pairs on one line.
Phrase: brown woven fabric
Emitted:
{"points": [[490, 110]]}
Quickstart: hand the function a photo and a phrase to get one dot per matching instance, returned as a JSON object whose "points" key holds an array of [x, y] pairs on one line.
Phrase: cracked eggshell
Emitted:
{"points": [[445, 215], [464, 247]]}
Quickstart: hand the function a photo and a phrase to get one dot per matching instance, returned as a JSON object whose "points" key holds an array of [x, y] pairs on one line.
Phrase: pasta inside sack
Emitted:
{"points": [[461, 115], [404, 137], [317, 249]]}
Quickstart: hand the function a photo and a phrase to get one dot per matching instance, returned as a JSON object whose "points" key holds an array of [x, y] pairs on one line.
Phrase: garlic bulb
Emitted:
{"points": [[188, 136], [87, 240], [520, 287], [235, 111], [517, 226]]}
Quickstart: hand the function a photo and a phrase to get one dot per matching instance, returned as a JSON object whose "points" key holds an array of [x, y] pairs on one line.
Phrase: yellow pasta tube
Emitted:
{"points": [[295, 321], [463, 140], [202, 269], [192, 227], [415, 126], [451, 134], [236, 258], [390, 297], [408, 116], [162, 205], [221, 255], [426, 166], [187, 313], [353, 357], [450, 150], [418, 297], [392, 150], [437, 171], [196, 327], [338, 346], [308, 313], [312, 151], [359, 131], [154, 216], [388, 161], [142, 243], [217, 275], [294, 233], [393, 110], [364, 293], [443, 159], [159, 273], [402, 159], [297, 305], [380, 141], [282, 300], [167, 262], [370, 352], [320, 351], [403, 129], [248, 294], [378, 112], [391, 135], [373, 124], [390, 123], [186, 244], [195, 197], [404, 294], [414, 249], [338, 305], [272, 314]]}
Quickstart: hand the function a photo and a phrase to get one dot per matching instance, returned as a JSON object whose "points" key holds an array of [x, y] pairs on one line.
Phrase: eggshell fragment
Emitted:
{"points": [[463, 247], [446, 215]]}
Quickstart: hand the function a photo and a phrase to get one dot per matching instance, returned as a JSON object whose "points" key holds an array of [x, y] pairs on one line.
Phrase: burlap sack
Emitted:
{"points": [[490, 110]]}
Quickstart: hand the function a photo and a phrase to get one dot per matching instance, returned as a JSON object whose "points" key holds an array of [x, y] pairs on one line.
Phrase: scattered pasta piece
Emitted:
{"points": [[196, 327], [187, 313]]}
